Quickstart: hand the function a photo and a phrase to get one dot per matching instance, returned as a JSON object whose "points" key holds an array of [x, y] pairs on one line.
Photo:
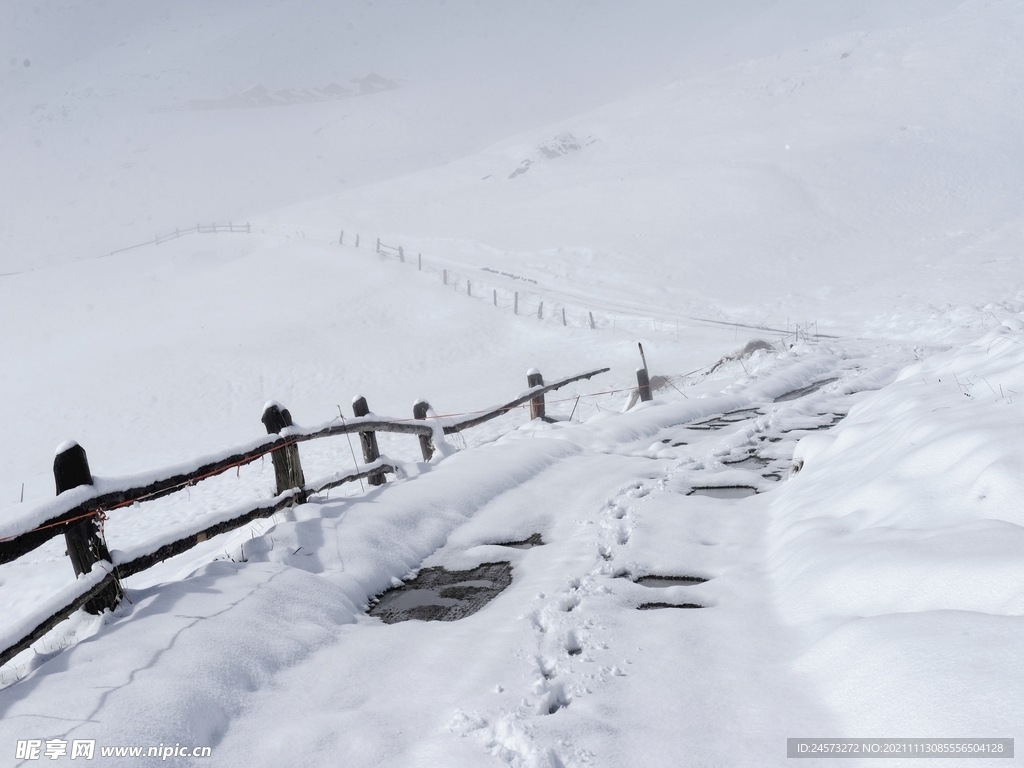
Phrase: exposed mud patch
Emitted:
{"points": [[437, 594], [534, 541]]}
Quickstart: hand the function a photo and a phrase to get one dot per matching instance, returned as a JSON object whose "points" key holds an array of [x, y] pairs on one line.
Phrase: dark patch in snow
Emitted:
{"points": [[656, 606], [437, 594], [724, 491], [663, 582], [534, 541], [803, 391]]}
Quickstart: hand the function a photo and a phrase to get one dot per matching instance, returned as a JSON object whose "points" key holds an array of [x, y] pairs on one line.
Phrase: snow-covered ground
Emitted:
{"points": [[840, 181]]}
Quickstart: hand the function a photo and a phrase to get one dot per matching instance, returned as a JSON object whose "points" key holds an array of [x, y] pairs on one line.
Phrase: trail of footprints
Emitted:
{"points": [[569, 645]]}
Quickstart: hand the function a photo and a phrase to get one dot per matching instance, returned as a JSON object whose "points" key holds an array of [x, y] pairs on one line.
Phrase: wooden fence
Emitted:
{"points": [[79, 507], [202, 229]]}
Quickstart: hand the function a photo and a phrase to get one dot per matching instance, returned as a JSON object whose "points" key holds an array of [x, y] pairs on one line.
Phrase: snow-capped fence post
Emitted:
{"points": [[534, 379], [643, 383], [85, 545], [369, 441], [287, 467], [401, 254], [419, 411]]}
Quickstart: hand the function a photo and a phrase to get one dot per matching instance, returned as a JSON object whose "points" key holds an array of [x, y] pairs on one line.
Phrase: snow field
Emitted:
{"points": [[895, 553]]}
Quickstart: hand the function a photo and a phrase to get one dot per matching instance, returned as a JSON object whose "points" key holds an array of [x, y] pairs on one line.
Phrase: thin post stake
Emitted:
{"points": [[369, 440], [643, 384], [378, 245], [563, 316], [444, 274], [515, 303], [540, 311], [469, 288], [495, 293], [341, 240], [287, 467], [357, 241], [419, 411], [419, 261], [401, 254], [534, 379], [85, 545], [591, 314]]}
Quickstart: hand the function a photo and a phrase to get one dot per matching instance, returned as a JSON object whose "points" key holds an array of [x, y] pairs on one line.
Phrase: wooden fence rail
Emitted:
{"points": [[79, 502]]}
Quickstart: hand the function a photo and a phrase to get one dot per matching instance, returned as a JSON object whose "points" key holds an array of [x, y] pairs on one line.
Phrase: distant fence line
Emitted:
{"points": [[558, 311], [201, 229]]}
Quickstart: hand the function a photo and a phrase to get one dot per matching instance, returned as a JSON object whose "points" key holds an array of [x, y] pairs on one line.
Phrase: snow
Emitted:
{"points": [[809, 214]]}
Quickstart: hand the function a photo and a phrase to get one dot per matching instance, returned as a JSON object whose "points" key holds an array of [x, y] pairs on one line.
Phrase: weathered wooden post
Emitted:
{"points": [[419, 411], [515, 303], [495, 296], [563, 317], [534, 379], [369, 440], [444, 276], [591, 314], [540, 311], [401, 254], [85, 546], [341, 240], [287, 467], [643, 385]]}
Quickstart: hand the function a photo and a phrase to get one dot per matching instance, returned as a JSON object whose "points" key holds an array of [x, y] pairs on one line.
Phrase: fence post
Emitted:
{"points": [[369, 440], [378, 245], [643, 384], [469, 288], [357, 241], [419, 261], [534, 379], [444, 276], [287, 467], [85, 547], [401, 254], [248, 229], [591, 314], [563, 316], [515, 303], [540, 311], [341, 240], [495, 292], [419, 411]]}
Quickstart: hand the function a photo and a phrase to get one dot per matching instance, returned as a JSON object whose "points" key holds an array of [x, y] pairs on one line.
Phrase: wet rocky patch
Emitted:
{"points": [[663, 582], [533, 541], [804, 391], [437, 594], [723, 491]]}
